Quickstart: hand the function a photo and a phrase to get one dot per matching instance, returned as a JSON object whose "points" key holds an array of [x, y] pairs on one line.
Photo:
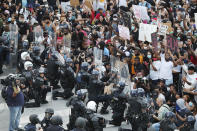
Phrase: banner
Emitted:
{"points": [[145, 31], [172, 43], [74, 3], [140, 12], [124, 32], [154, 41]]}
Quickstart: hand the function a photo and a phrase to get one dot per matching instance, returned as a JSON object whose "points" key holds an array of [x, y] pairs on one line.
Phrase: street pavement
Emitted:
{"points": [[59, 106]]}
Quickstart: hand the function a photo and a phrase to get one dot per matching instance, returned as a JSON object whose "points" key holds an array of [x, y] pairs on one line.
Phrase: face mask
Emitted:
{"points": [[133, 27], [145, 48], [171, 32], [178, 31], [158, 46], [178, 38], [149, 56]]}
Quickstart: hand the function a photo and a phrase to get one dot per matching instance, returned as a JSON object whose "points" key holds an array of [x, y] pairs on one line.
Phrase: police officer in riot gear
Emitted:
{"points": [[37, 61], [56, 124], [83, 77], [137, 114], [47, 118], [118, 104], [80, 124], [95, 122], [78, 108], [188, 124], [40, 90], [24, 57], [53, 65], [33, 121], [67, 80]]}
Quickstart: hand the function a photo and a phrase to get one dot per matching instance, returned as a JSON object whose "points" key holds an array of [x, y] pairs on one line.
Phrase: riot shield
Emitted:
{"points": [[60, 58], [38, 34], [98, 54], [13, 38]]}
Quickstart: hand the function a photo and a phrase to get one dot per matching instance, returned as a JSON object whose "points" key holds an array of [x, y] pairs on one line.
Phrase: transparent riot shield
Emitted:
{"points": [[98, 54], [60, 58], [13, 45], [38, 35], [13, 38]]}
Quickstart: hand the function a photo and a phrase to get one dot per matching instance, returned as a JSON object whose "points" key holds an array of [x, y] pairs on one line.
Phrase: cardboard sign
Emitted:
{"points": [[154, 41], [140, 12], [74, 3], [172, 43], [145, 32], [124, 32], [163, 29], [169, 26], [88, 4]]}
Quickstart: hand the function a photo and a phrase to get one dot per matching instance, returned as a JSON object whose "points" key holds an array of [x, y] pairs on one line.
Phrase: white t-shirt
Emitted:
{"points": [[195, 125], [192, 79], [154, 75], [177, 68], [166, 68]]}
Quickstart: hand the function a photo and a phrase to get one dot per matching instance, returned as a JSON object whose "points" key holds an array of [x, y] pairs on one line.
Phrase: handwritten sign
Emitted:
{"points": [[124, 32], [172, 43], [154, 41], [74, 3], [140, 12], [169, 26], [163, 29]]}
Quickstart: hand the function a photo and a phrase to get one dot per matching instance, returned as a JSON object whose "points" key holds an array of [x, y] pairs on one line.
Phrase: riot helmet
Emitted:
{"points": [[25, 44], [80, 122], [81, 94], [134, 93], [25, 56], [170, 115], [28, 65], [36, 50], [140, 92], [95, 75], [84, 66], [34, 119], [92, 105], [48, 113], [56, 120]]}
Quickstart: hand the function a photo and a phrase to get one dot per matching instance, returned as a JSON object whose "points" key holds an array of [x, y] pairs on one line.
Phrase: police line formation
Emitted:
{"points": [[81, 56]]}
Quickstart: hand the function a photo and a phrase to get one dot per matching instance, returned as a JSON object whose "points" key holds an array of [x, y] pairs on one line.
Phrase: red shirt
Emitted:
{"points": [[193, 59]]}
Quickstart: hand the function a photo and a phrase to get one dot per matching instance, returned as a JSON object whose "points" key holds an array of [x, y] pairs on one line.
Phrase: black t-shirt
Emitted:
{"points": [[23, 27]]}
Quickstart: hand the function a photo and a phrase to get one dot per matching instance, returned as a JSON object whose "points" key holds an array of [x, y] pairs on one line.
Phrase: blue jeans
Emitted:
{"points": [[15, 115]]}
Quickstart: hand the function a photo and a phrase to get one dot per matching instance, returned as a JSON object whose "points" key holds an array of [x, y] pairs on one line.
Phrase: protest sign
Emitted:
{"points": [[140, 12], [154, 41], [74, 3], [88, 3], [163, 29], [98, 54], [38, 34], [124, 32], [169, 26], [145, 31], [172, 43], [123, 69]]}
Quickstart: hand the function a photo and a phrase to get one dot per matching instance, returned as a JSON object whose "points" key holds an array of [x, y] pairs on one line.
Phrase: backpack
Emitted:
{"points": [[4, 92]]}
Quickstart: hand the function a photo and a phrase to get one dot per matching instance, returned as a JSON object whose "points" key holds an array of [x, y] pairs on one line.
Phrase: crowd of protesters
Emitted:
{"points": [[75, 31]]}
